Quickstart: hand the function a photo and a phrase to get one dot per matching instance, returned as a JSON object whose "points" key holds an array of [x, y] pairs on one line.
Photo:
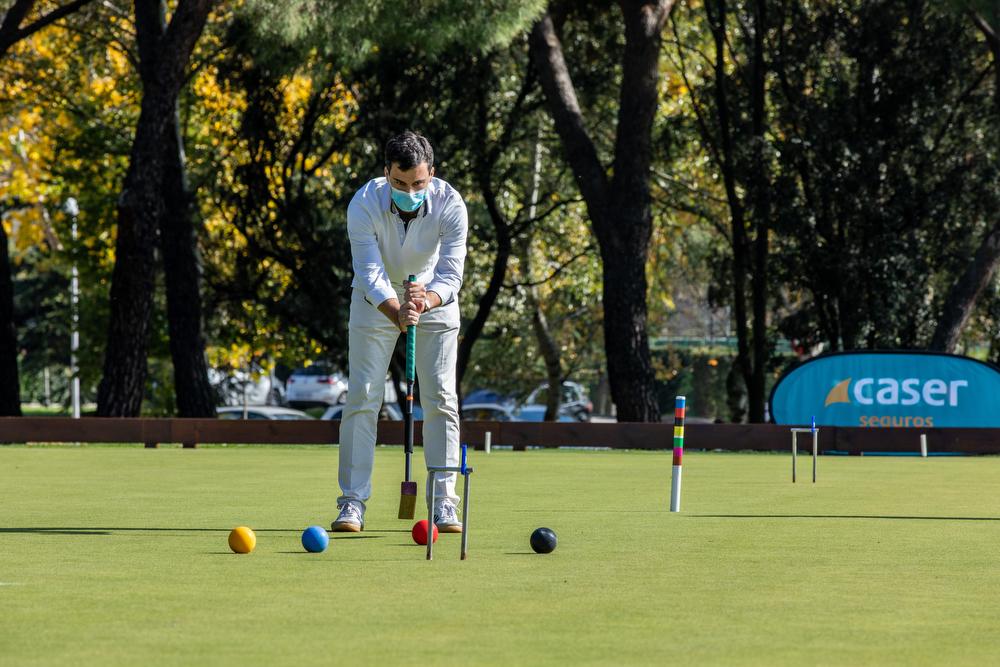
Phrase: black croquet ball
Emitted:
{"points": [[543, 540]]}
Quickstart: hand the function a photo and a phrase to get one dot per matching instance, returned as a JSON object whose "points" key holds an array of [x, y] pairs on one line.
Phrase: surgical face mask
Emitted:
{"points": [[408, 202]]}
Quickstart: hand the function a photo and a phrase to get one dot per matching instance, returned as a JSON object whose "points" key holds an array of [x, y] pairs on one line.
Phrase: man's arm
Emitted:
{"points": [[365, 255], [443, 287], [402, 316], [368, 265]]}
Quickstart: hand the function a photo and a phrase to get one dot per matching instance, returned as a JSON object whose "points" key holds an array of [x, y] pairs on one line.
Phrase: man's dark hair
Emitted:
{"points": [[407, 150]]}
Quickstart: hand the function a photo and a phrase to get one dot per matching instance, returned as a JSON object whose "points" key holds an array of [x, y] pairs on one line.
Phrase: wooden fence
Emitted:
{"points": [[519, 435]]}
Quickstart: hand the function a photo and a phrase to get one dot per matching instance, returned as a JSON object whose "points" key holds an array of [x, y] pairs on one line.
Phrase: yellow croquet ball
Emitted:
{"points": [[242, 540]]}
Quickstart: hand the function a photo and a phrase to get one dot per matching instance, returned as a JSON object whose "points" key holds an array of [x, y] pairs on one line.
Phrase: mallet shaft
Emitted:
{"points": [[794, 455], [815, 448], [465, 514], [430, 516]]}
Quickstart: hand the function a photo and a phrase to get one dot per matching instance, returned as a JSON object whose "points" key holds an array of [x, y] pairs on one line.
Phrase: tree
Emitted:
{"points": [[882, 122], [547, 346], [164, 52], [735, 126], [848, 141], [966, 291], [12, 30], [619, 204]]}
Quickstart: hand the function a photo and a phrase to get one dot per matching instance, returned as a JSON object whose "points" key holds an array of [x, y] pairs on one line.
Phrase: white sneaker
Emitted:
{"points": [[351, 519], [446, 518]]}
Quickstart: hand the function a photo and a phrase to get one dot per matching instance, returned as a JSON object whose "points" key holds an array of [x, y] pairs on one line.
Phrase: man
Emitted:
{"points": [[405, 223]]}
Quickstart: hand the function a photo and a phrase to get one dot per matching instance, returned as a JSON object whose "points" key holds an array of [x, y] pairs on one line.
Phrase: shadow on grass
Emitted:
{"points": [[105, 530], [847, 516], [100, 530], [388, 530], [589, 510], [58, 531], [320, 557]]}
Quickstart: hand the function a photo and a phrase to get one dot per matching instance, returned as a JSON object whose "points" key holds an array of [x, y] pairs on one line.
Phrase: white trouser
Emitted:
{"points": [[371, 341]]}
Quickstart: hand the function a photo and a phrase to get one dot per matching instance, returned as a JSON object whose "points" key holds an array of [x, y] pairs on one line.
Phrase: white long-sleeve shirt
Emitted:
{"points": [[385, 252]]}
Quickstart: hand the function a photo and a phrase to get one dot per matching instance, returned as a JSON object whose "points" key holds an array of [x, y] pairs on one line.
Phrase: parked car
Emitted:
{"points": [[487, 396], [313, 386], [488, 412], [536, 413], [261, 412], [389, 412], [574, 404], [237, 387]]}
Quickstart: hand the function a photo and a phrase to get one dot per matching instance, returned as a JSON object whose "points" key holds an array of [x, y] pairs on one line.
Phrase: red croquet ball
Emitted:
{"points": [[419, 532]]}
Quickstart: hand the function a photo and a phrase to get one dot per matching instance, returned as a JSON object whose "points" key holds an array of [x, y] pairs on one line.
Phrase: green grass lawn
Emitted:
{"points": [[118, 556]]}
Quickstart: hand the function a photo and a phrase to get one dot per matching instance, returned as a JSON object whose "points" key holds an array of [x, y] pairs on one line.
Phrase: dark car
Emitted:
{"points": [[574, 404], [487, 412], [486, 396]]}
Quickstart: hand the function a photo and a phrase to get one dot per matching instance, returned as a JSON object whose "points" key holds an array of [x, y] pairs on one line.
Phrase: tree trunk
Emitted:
{"points": [[485, 160], [630, 367], [163, 59], [10, 383], [726, 159], [964, 294], [121, 389], [547, 345], [475, 327], [182, 271], [550, 353], [736, 394], [620, 210], [750, 252]]}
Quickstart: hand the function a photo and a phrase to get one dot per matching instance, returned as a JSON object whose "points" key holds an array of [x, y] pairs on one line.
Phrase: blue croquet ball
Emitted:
{"points": [[315, 539], [543, 540]]}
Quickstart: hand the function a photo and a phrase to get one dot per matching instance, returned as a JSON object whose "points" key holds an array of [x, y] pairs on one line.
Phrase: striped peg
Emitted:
{"points": [[675, 479]]}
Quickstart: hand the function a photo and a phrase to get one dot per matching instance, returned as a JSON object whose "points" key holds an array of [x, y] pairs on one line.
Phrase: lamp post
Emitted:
{"points": [[73, 210]]}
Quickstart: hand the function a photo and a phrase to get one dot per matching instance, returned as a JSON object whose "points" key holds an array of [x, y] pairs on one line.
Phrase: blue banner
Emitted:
{"points": [[889, 389]]}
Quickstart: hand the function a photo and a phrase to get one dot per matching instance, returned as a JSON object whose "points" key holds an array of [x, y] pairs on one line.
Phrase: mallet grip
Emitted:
{"points": [[411, 347]]}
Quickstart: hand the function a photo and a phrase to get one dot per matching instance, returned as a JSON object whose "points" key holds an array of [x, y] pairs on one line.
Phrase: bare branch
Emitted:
{"points": [[11, 33], [698, 111], [522, 225], [989, 31], [562, 267]]}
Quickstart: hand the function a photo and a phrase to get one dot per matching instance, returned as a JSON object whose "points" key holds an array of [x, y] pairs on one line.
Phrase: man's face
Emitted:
{"points": [[413, 180]]}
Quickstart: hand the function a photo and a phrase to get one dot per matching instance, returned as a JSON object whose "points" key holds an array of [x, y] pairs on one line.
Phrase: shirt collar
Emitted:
{"points": [[427, 199]]}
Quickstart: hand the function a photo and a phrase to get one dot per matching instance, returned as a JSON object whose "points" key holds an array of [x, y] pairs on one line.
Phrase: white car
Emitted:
{"points": [[319, 385], [234, 387], [389, 412], [261, 412]]}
